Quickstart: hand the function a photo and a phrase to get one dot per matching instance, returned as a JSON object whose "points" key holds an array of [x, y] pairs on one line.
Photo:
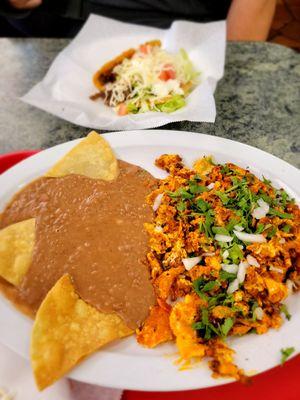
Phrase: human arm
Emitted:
{"points": [[250, 20]]}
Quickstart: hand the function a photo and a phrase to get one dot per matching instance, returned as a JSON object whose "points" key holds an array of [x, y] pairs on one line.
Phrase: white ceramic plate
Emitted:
{"points": [[125, 364]]}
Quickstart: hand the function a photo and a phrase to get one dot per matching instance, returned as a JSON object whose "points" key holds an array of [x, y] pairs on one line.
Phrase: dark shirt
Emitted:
{"points": [[59, 18]]}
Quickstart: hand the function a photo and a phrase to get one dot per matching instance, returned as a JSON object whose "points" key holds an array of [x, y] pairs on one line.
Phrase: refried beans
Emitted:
{"points": [[92, 230]]}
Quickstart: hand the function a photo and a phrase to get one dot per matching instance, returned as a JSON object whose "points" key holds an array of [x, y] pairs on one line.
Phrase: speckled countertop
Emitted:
{"points": [[258, 100]]}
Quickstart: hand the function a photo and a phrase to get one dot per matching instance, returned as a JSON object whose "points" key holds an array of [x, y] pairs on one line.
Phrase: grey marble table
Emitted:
{"points": [[258, 100]]}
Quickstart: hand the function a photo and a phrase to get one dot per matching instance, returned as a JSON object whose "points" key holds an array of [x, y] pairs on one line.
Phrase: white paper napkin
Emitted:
{"points": [[66, 88], [17, 382]]}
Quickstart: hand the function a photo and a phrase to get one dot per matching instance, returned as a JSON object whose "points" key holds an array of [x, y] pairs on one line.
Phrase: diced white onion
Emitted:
{"points": [[258, 213], [290, 286], [210, 186], [209, 254], [189, 263], [258, 313], [231, 268], [262, 210], [250, 237], [252, 261], [282, 240], [172, 303], [263, 205], [233, 286], [158, 228], [238, 228], [275, 269], [223, 238], [225, 254], [243, 265], [157, 201]]}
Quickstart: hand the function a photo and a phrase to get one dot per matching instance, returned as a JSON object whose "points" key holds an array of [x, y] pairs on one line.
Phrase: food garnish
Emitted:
{"points": [[146, 79], [224, 259], [286, 353]]}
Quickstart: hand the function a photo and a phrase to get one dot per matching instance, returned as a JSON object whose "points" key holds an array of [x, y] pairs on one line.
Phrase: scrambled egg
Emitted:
{"points": [[217, 268]]}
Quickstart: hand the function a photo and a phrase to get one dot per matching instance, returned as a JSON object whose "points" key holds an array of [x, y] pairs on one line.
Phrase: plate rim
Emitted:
{"points": [[140, 134]]}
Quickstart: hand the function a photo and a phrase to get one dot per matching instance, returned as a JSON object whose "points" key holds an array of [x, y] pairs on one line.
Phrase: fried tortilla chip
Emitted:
{"points": [[92, 157], [66, 330], [16, 249], [104, 74]]}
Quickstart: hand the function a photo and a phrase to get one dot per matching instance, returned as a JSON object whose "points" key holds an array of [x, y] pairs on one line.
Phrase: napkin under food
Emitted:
{"points": [[66, 88]]}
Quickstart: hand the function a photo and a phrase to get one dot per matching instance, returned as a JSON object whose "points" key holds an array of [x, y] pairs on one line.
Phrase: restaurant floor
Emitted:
{"points": [[285, 27]]}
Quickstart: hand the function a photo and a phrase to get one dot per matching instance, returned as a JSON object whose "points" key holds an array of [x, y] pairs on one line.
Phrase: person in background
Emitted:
{"points": [[246, 19]]}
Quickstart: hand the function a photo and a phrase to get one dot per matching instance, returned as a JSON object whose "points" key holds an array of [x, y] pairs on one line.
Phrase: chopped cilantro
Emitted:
{"points": [[286, 353], [229, 300], [195, 188], [260, 228], [220, 230], [223, 197], [207, 225], [227, 276], [266, 181], [204, 315], [202, 205], [286, 228], [215, 300], [225, 170], [181, 206], [198, 325], [183, 193], [284, 198], [226, 326], [198, 286], [265, 197], [231, 224], [210, 286], [253, 307], [271, 232], [280, 214], [285, 311], [232, 188], [204, 327], [235, 253]]}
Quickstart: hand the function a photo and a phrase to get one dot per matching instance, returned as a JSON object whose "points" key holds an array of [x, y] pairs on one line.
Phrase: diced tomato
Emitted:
{"points": [[167, 73], [163, 76], [144, 48], [122, 110]]}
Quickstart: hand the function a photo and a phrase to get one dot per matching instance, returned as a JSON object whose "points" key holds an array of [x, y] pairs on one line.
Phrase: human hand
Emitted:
{"points": [[24, 4]]}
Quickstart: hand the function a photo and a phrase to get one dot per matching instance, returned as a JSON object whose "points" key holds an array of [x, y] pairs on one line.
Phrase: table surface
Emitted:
{"points": [[258, 99]]}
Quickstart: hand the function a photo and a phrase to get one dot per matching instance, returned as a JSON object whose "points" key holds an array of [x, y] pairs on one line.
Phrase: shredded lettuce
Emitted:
{"points": [[132, 108], [158, 81], [172, 105], [190, 73]]}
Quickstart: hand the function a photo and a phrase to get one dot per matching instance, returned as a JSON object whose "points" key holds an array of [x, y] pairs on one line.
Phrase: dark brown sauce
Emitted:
{"points": [[92, 230]]}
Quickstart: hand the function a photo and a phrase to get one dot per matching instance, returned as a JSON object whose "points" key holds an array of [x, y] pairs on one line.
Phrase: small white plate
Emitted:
{"points": [[125, 364]]}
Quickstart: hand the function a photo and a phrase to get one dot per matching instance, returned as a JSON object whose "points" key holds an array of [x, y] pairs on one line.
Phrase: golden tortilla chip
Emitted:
{"points": [[92, 157], [16, 249], [66, 330]]}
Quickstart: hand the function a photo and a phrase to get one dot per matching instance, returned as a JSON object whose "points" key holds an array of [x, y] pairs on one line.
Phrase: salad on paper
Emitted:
{"points": [[146, 79]]}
